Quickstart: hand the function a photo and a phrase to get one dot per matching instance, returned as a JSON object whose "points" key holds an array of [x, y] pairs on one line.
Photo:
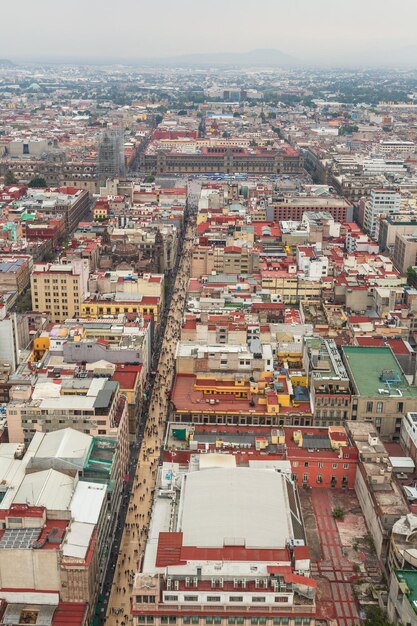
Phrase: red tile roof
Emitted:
{"points": [[169, 549], [301, 552], [69, 614], [300, 580]]}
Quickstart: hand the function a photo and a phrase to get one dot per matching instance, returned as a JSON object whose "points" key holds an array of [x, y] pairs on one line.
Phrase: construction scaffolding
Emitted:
{"points": [[110, 162]]}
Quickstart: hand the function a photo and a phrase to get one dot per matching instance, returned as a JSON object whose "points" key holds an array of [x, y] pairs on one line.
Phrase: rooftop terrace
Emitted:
{"points": [[375, 368], [409, 578]]}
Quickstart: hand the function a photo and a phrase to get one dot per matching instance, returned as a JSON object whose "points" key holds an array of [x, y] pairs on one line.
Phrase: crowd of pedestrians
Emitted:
{"points": [[136, 527]]}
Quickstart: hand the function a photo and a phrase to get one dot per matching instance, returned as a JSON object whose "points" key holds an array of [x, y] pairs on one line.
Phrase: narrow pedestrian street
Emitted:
{"points": [[140, 504]]}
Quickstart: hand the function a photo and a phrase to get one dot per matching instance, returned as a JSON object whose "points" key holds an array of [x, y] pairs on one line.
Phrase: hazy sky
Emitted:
{"points": [[135, 28]]}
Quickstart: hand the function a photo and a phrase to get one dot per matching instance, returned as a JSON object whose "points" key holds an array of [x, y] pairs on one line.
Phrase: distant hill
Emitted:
{"points": [[4, 63], [255, 58]]}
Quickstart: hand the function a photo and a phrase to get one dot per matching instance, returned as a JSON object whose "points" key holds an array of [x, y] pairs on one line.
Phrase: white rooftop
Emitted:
{"points": [[47, 488], [87, 502], [73, 402], [208, 461], [66, 443], [230, 506], [77, 540]]}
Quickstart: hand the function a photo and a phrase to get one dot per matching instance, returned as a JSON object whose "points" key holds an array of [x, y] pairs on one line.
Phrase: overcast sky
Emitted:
{"points": [[132, 29]]}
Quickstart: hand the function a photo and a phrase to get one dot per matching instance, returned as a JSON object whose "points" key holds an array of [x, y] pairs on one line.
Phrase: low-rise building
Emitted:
{"points": [[379, 495], [59, 288], [380, 392], [229, 560], [405, 251], [402, 597], [15, 272], [58, 515], [330, 393], [90, 405]]}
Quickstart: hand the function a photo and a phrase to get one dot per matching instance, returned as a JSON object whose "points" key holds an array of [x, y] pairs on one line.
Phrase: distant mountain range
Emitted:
{"points": [[255, 58], [366, 56]]}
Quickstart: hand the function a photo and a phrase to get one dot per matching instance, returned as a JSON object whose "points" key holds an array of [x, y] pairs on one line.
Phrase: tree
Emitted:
{"points": [[24, 302], [10, 179], [338, 513], [376, 617], [149, 179], [253, 143], [411, 276], [38, 182]]}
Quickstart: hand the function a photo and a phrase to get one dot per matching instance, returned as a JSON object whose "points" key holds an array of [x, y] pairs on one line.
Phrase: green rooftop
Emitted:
{"points": [[100, 459], [408, 581], [372, 369]]}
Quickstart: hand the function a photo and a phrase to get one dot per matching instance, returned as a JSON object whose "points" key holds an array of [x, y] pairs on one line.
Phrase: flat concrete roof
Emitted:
{"points": [[87, 502], [235, 506], [366, 365]]}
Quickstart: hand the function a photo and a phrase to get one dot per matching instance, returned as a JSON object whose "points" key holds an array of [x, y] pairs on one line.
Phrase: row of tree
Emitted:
{"points": [[38, 182]]}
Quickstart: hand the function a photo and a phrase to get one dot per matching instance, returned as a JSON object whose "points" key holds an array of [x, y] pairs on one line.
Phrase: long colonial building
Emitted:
{"points": [[163, 159]]}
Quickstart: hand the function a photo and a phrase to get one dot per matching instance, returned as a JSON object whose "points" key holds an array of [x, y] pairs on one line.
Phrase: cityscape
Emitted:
{"points": [[208, 324]]}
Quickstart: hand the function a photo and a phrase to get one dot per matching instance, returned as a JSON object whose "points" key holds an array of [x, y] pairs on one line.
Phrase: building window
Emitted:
{"points": [[171, 598], [334, 465], [258, 599], [345, 465], [191, 598], [369, 407], [379, 407], [236, 599], [319, 481], [305, 478], [400, 407], [295, 463], [305, 463], [213, 598]]}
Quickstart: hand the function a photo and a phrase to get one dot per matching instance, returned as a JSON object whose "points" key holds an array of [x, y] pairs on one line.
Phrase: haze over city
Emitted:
{"points": [[208, 313], [324, 31]]}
